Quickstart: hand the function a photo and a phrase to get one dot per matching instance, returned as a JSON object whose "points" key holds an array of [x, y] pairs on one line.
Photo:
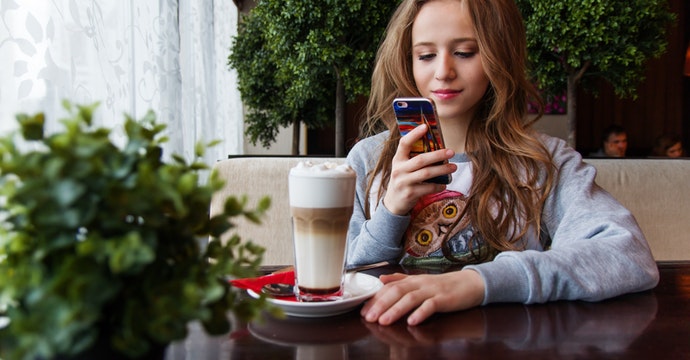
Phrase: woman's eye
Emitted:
{"points": [[465, 54], [426, 57]]}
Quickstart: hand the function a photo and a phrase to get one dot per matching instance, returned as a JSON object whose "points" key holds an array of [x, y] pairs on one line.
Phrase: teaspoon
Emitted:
{"points": [[284, 290], [278, 290]]}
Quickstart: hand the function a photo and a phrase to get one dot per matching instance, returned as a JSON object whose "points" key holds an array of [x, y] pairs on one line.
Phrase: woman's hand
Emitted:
{"points": [[423, 295], [406, 184]]}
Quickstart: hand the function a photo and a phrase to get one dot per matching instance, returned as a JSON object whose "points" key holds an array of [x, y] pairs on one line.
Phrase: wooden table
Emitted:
{"points": [[649, 325]]}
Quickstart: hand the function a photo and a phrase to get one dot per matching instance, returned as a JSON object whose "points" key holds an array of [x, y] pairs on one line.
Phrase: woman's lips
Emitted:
{"points": [[446, 94]]}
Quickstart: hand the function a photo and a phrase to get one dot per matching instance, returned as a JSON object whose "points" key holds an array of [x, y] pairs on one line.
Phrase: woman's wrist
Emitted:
{"points": [[393, 211], [476, 286]]}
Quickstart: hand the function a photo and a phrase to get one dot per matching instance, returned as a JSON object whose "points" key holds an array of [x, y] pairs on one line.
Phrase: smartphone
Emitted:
{"points": [[412, 112]]}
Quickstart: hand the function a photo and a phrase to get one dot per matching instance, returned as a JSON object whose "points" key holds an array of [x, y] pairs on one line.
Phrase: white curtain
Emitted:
{"points": [[169, 56]]}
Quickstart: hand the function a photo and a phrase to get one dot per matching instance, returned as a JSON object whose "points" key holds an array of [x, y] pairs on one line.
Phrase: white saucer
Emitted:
{"points": [[358, 288]]}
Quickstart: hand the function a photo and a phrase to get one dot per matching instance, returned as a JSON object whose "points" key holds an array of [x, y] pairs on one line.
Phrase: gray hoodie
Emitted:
{"points": [[591, 248]]}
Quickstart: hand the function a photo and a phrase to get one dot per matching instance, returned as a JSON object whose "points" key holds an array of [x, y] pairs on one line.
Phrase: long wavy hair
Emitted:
{"points": [[512, 170]]}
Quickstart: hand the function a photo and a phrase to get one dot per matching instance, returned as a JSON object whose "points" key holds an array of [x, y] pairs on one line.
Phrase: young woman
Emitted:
{"points": [[522, 214]]}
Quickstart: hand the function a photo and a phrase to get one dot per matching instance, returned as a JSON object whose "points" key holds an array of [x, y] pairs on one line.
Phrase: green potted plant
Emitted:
{"points": [[103, 248], [318, 56], [572, 44]]}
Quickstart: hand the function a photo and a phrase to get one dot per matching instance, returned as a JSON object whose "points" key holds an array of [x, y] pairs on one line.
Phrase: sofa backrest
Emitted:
{"points": [[655, 191], [258, 177]]}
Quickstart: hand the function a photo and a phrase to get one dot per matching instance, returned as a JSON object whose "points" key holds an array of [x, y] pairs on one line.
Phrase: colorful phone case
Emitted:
{"points": [[412, 112]]}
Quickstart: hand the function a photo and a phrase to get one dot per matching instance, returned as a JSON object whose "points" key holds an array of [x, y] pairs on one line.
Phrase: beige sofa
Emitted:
{"points": [[655, 190]]}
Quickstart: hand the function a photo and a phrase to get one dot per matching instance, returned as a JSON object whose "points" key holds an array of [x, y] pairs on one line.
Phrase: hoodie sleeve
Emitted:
{"points": [[378, 238], [597, 249]]}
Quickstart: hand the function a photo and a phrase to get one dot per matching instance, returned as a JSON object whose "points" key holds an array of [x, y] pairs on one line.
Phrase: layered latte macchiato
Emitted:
{"points": [[321, 200]]}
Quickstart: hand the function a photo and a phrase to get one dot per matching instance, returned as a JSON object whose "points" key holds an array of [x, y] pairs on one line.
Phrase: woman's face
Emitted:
{"points": [[446, 62]]}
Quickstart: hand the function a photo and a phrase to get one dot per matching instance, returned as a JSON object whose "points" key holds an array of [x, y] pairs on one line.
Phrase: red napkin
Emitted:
{"points": [[255, 284]]}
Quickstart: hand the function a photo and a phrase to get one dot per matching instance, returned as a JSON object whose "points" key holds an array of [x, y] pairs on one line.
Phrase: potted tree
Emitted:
{"points": [[102, 247], [572, 45], [317, 55]]}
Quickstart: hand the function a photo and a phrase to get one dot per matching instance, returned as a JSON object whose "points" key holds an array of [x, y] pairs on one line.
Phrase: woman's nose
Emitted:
{"points": [[445, 68]]}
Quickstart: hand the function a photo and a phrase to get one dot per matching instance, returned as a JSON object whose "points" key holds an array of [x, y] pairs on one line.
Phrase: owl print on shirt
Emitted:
{"points": [[440, 232]]}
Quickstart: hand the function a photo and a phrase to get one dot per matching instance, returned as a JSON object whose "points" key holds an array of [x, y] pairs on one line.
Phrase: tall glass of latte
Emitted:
{"points": [[321, 200]]}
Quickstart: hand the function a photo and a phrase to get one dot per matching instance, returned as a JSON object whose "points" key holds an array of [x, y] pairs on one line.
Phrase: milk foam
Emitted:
{"points": [[325, 185]]}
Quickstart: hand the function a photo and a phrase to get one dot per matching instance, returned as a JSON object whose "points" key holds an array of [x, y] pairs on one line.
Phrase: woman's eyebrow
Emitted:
{"points": [[454, 41]]}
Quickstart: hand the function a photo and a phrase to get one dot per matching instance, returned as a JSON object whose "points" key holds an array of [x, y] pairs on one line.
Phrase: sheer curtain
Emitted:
{"points": [[169, 56]]}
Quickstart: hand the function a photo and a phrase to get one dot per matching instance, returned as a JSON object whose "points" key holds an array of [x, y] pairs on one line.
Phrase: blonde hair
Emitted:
{"points": [[512, 169]]}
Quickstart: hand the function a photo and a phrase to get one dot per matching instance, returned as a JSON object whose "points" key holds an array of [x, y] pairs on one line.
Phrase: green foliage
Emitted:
{"points": [[594, 39], [102, 241], [289, 56]]}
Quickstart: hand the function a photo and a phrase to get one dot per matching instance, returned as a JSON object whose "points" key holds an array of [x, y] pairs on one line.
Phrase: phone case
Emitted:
{"points": [[412, 112]]}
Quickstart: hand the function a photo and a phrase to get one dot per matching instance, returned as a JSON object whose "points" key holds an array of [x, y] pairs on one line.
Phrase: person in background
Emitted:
{"points": [[522, 216], [668, 145], [614, 142]]}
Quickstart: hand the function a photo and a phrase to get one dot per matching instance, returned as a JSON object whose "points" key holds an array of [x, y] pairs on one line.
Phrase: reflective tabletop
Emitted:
{"points": [[651, 324]]}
